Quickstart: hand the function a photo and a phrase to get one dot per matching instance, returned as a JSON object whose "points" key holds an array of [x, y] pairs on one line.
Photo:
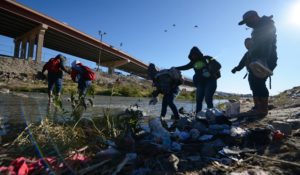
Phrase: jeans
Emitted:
{"points": [[83, 86], [54, 79], [258, 86], [205, 89], [168, 100]]}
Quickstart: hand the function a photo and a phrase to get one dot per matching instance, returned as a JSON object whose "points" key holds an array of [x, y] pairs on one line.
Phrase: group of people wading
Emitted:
{"points": [[260, 61]]}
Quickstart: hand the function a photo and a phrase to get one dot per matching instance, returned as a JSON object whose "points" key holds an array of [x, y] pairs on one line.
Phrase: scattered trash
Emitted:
{"points": [[237, 132], [232, 108], [278, 135], [173, 160], [175, 146], [251, 172], [206, 137], [161, 135], [194, 134]]}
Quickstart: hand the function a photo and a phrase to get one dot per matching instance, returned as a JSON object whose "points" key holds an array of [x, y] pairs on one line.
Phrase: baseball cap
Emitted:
{"points": [[248, 15], [75, 62]]}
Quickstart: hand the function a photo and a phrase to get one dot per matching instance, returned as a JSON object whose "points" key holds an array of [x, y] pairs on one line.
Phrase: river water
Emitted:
{"points": [[32, 107]]}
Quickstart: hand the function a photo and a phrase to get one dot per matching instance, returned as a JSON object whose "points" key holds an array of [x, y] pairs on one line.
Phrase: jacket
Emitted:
{"points": [[201, 69], [264, 42]]}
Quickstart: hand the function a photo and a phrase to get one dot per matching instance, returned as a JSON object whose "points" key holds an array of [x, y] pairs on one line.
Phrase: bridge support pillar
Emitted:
{"points": [[34, 36], [17, 48], [111, 70], [40, 43], [31, 48], [23, 49]]}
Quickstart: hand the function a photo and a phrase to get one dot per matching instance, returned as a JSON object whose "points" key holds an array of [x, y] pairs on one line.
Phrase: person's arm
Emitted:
{"points": [[155, 93], [62, 66], [242, 63], [185, 67], [44, 68]]}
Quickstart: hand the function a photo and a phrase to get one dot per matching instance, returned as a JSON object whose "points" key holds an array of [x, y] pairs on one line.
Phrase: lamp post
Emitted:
{"points": [[100, 50]]}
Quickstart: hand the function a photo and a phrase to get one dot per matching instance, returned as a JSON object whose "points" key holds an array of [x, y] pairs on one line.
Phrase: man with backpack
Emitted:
{"points": [[262, 57], [166, 82], [55, 67], [83, 75]]}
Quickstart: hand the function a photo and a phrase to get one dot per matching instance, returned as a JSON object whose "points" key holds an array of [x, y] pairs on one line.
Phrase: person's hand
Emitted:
{"points": [[234, 70], [153, 101]]}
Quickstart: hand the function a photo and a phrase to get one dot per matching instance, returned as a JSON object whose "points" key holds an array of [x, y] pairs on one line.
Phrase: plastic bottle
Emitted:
{"points": [[159, 132], [232, 108]]}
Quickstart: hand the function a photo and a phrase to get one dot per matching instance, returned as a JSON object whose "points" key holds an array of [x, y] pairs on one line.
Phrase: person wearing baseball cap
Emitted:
{"points": [[262, 50]]}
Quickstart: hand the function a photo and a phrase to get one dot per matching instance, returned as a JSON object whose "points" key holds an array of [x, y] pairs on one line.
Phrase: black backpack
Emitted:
{"points": [[214, 67], [167, 79]]}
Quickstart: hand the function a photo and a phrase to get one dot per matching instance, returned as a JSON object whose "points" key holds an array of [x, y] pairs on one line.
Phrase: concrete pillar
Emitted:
{"points": [[31, 36], [23, 49], [111, 70], [40, 43], [31, 48], [17, 48]]}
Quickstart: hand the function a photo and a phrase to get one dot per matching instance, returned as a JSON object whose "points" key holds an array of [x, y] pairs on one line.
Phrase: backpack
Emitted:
{"points": [[53, 65], [214, 68], [88, 73], [167, 79], [174, 75]]}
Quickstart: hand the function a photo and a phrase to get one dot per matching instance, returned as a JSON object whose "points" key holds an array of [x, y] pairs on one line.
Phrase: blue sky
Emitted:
{"points": [[140, 26]]}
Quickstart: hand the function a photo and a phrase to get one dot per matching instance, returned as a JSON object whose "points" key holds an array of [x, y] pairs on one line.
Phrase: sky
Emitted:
{"points": [[163, 32]]}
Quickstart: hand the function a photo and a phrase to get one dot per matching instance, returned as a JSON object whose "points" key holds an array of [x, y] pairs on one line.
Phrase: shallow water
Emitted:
{"points": [[32, 107]]}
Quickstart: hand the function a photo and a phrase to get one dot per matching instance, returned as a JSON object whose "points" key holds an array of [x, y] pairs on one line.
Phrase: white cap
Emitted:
{"points": [[75, 62]]}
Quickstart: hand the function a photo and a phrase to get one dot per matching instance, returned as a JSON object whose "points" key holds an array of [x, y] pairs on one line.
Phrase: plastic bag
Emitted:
{"points": [[161, 135]]}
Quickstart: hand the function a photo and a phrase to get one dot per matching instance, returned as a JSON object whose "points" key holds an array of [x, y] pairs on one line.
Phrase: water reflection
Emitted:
{"points": [[32, 107]]}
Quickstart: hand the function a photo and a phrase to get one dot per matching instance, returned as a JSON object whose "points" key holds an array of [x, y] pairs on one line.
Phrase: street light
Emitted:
{"points": [[100, 50]]}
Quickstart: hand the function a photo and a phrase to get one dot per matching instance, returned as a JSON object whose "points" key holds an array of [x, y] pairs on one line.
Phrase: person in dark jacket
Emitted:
{"points": [[55, 67], [166, 86], [263, 48], [204, 79]]}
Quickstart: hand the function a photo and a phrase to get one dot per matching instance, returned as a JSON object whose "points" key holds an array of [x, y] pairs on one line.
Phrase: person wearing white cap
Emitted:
{"points": [[263, 50], [83, 75]]}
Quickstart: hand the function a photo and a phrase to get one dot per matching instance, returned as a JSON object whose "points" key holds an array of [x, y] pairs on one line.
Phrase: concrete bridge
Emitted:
{"points": [[32, 31]]}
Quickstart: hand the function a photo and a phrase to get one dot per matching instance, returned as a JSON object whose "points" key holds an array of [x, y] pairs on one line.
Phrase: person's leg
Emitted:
{"points": [[85, 87], [210, 89], [170, 100], [199, 96], [263, 96], [260, 95], [51, 83], [58, 84], [164, 106]]}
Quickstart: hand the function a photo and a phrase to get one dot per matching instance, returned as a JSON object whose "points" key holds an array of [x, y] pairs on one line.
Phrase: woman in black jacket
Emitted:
{"points": [[205, 78]]}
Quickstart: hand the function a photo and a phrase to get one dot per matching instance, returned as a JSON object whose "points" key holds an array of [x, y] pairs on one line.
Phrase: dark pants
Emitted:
{"points": [[205, 89], [83, 86], [168, 100], [258, 86], [54, 80]]}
